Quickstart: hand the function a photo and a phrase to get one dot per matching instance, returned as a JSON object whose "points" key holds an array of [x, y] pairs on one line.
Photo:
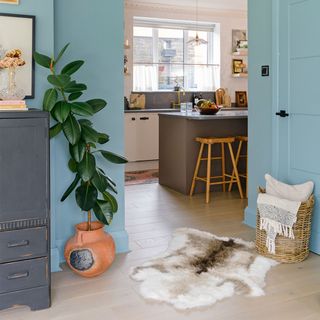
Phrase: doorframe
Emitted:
{"points": [[275, 51]]}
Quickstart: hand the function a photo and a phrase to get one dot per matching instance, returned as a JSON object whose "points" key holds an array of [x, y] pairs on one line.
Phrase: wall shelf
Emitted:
{"points": [[240, 54], [240, 75]]}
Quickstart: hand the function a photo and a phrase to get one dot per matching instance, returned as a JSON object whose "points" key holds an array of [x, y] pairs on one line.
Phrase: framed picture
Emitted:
{"points": [[237, 36], [243, 44], [241, 99], [237, 65], [18, 32], [10, 1]]}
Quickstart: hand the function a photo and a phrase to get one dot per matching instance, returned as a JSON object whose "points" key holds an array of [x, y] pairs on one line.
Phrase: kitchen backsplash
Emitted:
{"points": [[164, 100]]}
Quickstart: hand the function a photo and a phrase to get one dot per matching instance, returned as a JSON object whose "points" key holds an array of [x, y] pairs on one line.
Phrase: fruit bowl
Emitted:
{"points": [[207, 107], [209, 111]]}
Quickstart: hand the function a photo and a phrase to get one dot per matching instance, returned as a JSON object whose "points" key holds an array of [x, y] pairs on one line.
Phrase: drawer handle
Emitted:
{"points": [[144, 118], [22, 243], [133, 119], [19, 275]]}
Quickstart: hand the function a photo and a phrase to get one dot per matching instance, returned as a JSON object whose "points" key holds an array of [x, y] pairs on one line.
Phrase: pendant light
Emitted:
{"points": [[197, 41]]}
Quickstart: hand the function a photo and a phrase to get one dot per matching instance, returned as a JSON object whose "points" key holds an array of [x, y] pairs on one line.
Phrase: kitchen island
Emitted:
{"points": [[178, 150]]}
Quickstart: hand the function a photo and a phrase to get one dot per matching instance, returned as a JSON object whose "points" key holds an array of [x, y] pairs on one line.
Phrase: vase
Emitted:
{"points": [[90, 253], [11, 91]]}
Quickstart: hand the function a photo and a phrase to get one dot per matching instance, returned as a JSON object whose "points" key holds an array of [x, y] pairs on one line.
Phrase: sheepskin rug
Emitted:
{"points": [[199, 269]]}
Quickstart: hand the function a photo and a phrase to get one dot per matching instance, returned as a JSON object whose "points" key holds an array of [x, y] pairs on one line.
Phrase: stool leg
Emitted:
{"points": [[223, 167], [232, 181], [195, 175], [208, 174], [235, 170]]}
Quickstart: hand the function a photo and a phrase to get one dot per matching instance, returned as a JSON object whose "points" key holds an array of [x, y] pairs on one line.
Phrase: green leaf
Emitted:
{"points": [[92, 145], [72, 67], [103, 212], [75, 96], [77, 151], [61, 53], [72, 129], [112, 157], [89, 134], [71, 188], [97, 104], [55, 130], [75, 87], [73, 166], [42, 60], [100, 181], [112, 188], [59, 81], [110, 180], [102, 172], [86, 196], [61, 111], [87, 167], [50, 99], [103, 138], [85, 122], [112, 200], [82, 109]]}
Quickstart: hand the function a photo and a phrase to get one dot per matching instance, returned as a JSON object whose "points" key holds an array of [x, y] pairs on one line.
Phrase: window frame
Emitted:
{"points": [[186, 26]]}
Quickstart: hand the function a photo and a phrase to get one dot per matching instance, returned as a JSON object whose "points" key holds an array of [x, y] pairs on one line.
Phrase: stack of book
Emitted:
{"points": [[6, 105]]}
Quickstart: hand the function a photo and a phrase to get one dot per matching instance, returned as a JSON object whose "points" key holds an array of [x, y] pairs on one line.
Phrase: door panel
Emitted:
{"points": [[304, 94], [298, 149], [303, 142], [24, 179], [304, 25]]}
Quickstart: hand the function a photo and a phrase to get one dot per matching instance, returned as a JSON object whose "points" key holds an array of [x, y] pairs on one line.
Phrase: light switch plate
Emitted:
{"points": [[265, 71]]}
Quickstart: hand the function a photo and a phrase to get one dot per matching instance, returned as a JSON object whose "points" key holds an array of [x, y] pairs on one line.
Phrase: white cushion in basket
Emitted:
{"points": [[298, 192]]}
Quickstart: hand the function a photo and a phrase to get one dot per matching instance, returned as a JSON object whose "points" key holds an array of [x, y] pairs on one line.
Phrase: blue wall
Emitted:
{"points": [[95, 30], [260, 100]]}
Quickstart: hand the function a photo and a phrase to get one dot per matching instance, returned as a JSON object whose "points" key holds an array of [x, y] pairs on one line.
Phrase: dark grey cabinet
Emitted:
{"points": [[24, 210]]}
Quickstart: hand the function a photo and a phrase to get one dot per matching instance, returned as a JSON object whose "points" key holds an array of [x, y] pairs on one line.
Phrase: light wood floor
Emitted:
{"points": [[292, 292]]}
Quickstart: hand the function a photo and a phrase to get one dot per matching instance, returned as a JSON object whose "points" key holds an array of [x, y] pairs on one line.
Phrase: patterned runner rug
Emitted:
{"points": [[141, 177]]}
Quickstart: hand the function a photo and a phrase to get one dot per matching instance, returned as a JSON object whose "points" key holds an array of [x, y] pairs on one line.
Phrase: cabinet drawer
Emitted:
{"points": [[23, 244], [23, 275]]}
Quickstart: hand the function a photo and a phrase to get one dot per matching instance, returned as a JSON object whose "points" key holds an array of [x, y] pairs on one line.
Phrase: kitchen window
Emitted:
{"points": [[163, 56]]}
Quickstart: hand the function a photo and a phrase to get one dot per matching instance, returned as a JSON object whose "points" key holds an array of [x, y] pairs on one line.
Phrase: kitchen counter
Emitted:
{"points": [[178, 150], [149, 110], [177, 110], [223, 114]]}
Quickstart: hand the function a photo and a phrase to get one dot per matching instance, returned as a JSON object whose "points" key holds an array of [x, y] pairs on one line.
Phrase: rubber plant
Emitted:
{"points": [[94, 189]]}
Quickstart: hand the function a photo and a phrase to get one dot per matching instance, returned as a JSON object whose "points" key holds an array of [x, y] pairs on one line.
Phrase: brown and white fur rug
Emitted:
{"points": [[199, 269]]}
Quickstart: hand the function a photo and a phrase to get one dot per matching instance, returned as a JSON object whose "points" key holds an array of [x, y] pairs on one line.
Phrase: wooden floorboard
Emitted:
{"points": [[152, 213]]}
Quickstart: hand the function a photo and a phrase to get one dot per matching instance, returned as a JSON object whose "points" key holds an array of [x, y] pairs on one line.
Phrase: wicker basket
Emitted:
{"points": [[289, 250]]}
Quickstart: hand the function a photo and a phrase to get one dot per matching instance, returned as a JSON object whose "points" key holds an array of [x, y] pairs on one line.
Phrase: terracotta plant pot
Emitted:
{"points": [[89, 253]]}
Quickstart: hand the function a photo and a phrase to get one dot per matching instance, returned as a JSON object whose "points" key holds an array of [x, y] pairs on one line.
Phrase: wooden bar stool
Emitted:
{"points": [[208, 179], [241, 140]]}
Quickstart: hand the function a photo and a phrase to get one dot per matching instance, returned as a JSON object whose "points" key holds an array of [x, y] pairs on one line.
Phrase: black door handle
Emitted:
{"points": [[144, 118], [282, 114]]}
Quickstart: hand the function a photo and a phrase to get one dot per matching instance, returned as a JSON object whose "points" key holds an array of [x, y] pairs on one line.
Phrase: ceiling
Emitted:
{"points": [[212, 4]]}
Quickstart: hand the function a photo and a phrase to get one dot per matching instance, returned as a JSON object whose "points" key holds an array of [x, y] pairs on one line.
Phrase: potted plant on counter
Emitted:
{"points": [[90, 251]]}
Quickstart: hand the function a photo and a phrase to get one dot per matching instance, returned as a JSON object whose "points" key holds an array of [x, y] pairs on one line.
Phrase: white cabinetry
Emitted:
{"points": [[141, 136]]}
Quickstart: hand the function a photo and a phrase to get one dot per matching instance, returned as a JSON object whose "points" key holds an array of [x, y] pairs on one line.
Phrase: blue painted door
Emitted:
{"points": [[297, 136]]}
